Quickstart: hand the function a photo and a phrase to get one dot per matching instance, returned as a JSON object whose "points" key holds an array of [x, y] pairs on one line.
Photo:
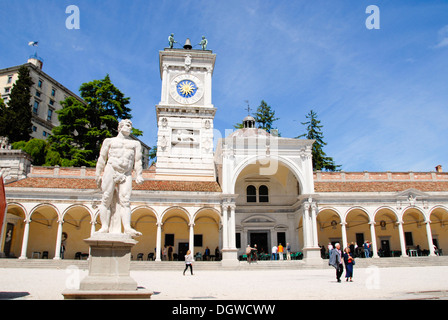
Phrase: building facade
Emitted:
{"points": [[254, 188], [46, 96]]}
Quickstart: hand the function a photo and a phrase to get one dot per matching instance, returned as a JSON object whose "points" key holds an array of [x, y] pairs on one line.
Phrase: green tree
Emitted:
{"points": [[314, 132], [84, 125], [265, 116], [15, 118], [153, 155]]}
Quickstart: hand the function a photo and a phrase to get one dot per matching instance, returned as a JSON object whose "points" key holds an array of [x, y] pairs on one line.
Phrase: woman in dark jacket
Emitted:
{"points": [[349, 261]]}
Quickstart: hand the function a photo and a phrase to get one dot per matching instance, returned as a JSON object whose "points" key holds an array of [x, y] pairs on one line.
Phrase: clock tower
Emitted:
{"points": [[185, 115]]}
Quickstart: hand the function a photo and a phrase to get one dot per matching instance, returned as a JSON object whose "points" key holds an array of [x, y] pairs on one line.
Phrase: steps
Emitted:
{"points": [[241, 266]]}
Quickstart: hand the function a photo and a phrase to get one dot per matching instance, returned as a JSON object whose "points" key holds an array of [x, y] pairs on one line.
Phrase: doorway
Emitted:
{"points": [[182, 250], [261, 239], [385, 248]]}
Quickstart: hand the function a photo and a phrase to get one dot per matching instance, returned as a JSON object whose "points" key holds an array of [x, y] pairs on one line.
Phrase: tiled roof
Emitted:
{"points": [[149, 185], [376, 186]]}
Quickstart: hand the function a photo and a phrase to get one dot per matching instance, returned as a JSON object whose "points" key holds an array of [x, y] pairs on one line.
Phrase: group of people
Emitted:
{"points": [[338, 259], [277, 252], [365, 250]]}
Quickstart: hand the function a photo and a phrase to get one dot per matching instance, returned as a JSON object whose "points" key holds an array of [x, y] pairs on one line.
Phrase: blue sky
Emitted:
{"points": [[381, 94]]}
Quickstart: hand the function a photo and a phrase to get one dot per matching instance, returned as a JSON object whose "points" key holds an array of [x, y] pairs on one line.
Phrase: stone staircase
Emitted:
{"points": [[241, 266]]}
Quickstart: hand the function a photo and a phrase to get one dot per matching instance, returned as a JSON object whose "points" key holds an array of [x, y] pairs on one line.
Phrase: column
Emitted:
{"points": [[92, 227], [164, 83], [26, 232], [159, 241], [429, 236], [344, 235], [402, 240], [225, 227], [306, 228], [57, 251], [314, 225], [208, 87], [191, 242], [232, 229], [374, 253]]}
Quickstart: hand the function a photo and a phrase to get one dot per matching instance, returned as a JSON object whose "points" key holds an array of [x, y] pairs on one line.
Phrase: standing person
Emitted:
{"points": [[248, 252], [336, 261], [367, 249], [189, 262], [170, 253], [330, 247], [164, 252], [280, 251], [274, 252], [288, 251], [349, 261]]}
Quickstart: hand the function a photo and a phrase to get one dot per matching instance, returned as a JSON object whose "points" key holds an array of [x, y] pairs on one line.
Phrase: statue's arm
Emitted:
{"points": [[138, 163], [101, 163]]}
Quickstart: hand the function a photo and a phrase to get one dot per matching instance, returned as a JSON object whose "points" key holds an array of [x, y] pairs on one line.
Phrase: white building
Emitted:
{"points": [[255, 188]]}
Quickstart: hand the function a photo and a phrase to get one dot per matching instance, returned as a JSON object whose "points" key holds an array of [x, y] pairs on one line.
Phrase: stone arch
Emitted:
{"points": [[257, 158], [357, 226], [176, 230], [414, 227], [387, 233], [16, 215], [43, 230], [439, 227], [329, 230], [144, 219], [207, 222], [77, 226]]}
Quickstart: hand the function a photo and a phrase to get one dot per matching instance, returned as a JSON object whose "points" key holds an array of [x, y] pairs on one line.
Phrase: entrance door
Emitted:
{"points": [[385, 247], [260, 238], [182, 250]]}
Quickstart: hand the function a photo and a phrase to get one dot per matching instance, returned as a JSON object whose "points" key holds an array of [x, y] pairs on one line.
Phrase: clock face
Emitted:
{"points": [[186, 89]]}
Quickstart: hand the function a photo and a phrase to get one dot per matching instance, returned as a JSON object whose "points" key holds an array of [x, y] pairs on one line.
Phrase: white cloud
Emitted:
{"points": [[442, 38]]}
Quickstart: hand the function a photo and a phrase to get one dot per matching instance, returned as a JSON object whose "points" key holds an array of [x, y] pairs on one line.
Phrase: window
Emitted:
{"points": [[34, 128], [263, 194], [169, 239], [36, 107], [45, 133], [37, 94], [53, 92], [49, 114], [9, 79], [51, 102], [198, 240], [408, 239], [7, 89], [39, 83], [251, 194]]}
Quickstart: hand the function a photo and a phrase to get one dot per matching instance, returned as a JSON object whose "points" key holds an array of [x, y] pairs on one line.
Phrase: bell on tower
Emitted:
{"points": [[249, 122], [187, 45]]}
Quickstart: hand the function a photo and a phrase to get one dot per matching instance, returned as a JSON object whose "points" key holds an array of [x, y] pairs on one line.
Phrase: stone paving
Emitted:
{"points": [[399, 283]]}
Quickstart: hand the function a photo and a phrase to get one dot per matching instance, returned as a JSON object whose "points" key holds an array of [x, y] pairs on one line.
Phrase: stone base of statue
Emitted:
{"points": [[109, 270]]}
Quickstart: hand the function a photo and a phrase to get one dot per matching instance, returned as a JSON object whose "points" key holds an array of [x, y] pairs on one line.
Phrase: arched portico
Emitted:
{"points": [[329, 227], [13, 230], [439, 221], [144, 220], [73, 228], [207, 223], [176, 232]]}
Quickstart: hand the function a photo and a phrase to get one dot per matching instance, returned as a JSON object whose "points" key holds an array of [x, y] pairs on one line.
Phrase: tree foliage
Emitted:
{"points": [[314, 132], [15, 118], [264, 117], [84, 126]]}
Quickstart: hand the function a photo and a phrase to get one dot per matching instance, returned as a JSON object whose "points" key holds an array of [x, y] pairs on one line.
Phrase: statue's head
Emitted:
{"points": [[125, 123]]}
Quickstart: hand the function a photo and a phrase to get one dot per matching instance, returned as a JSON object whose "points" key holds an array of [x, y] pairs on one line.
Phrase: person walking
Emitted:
{"points": [[349, 262], [189, 261], [367, 249], [336, 261]]}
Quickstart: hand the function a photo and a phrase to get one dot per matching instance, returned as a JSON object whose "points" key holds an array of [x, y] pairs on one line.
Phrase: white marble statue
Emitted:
{"points": [[118, 156]]}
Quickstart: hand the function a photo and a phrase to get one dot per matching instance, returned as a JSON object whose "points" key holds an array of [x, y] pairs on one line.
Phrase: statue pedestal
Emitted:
{"points": [[109, 270]]}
